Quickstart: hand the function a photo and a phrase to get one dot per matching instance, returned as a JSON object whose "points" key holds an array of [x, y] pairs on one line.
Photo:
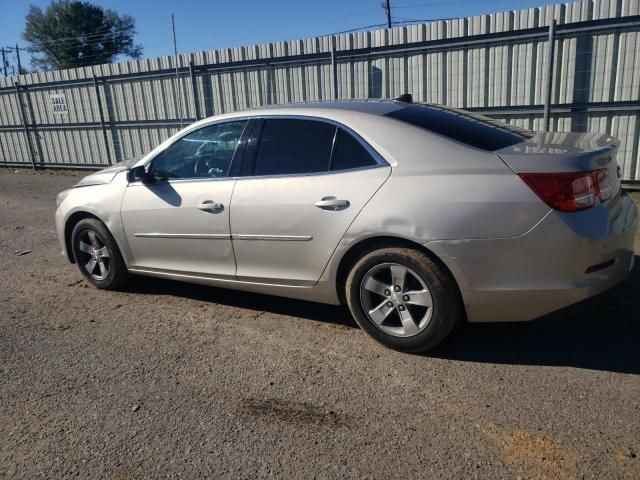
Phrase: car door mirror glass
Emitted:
{"points": [[143, 173], [137, 174]]}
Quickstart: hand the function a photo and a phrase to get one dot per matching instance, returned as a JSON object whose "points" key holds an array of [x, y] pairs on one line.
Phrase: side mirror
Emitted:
{"points": [[139, 174]]}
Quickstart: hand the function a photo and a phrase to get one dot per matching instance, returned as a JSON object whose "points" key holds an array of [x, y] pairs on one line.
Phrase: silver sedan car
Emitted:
{"points": [[416, 216]]}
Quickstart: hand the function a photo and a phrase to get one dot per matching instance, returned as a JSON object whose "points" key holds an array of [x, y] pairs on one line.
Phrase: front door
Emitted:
{"points": [[307, 181], [179, 220]]}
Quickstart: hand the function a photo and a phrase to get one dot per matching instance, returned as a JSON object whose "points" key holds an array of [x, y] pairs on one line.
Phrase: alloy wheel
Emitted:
{"points": [[94, 255], [396, 299]]}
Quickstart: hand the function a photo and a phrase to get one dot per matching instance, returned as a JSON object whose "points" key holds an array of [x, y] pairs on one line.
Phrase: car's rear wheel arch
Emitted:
{"points": [[363, 247], [401, 294]]}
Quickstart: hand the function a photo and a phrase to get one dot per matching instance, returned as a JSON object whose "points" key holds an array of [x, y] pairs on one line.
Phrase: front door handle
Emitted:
{"points": [[211, 206], [332, 203]]}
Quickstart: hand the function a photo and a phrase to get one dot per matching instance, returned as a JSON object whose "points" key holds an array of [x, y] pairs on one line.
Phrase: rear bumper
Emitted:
{"points": [[522, 278]]}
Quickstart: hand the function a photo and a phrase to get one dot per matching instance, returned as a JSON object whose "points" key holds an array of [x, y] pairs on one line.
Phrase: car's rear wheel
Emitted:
{"points": [[97, 255], [403, 298]]}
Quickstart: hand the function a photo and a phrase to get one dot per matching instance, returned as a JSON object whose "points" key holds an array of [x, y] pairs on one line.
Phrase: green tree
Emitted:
{"points": [[71, 33]]}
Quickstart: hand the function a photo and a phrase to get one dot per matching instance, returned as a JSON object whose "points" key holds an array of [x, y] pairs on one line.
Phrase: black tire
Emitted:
{"points": [[447, 309], [117, 274]]}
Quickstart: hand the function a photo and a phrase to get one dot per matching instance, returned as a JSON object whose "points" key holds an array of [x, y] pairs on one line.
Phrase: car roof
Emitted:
{"points": [[329, 109], [374, 107]]}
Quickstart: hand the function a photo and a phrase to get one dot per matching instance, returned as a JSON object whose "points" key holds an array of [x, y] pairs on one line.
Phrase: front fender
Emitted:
{"points": [[100, 201]]}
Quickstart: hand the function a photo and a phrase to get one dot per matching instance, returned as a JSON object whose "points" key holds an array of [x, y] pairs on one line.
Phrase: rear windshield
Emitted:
{"points": [[465, 127]]}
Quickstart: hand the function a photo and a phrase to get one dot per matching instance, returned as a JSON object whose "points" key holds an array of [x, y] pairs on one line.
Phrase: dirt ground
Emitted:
{"points": [[169, 379]]}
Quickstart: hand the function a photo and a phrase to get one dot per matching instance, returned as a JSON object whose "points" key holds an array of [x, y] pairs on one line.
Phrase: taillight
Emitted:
{"points": [[571, 191]]}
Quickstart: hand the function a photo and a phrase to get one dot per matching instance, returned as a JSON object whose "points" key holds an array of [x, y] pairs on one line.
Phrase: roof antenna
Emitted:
{"points": [[404, 98]]}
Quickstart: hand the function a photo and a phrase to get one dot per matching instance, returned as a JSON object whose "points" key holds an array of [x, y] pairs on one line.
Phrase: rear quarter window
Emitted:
{"points": [[348, 153], [465, 127]]}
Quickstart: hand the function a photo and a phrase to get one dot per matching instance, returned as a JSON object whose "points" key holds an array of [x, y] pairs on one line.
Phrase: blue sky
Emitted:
{"points": [[212, 24]]}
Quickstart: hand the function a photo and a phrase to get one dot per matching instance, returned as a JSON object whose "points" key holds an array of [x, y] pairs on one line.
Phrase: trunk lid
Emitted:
{"points": [[553, 152]]}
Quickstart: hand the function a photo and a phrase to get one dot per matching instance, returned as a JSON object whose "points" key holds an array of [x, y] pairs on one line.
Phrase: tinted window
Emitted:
{"points": [[204, 153], [290, 146], [350, 153], [465, 127]]}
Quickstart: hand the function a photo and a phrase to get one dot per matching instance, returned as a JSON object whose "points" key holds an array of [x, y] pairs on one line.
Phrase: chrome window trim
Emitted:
{"points": [[314, 174], [379, 159], [182, 180]]}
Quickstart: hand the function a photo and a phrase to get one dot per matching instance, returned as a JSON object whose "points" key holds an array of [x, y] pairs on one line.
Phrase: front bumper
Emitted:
{"points": [[522, 278], [60, 222]]}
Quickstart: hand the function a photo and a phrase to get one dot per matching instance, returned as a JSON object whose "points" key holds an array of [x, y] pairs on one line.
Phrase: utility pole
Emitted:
{"points": [[175, 56], [550, 59], [387, 8], [18, 58], [4, 61]]}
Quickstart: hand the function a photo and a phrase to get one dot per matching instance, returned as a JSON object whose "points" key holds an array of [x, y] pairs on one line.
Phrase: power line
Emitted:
{"points": [[357, 29], [89, 36], [49, 47], [397, 21], [404, 21], [92, 38], [83, 40], [81, 46]]}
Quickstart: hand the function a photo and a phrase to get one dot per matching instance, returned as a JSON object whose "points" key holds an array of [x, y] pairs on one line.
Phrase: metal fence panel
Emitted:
{"points": [[496, 64]]}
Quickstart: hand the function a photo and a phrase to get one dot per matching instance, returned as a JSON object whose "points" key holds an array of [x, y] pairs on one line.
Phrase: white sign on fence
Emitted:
{"points": [[59, 103]]}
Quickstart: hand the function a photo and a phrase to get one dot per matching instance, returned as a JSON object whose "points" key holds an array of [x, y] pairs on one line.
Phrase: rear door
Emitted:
{"points": [[303, 182]]}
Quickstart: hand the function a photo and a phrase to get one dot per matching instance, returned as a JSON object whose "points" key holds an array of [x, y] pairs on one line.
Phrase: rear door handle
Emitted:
{"points": [[332, 203], [211, 206]]}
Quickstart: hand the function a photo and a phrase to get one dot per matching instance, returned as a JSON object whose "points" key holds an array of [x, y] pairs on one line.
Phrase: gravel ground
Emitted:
{"points": [[169, 379]]}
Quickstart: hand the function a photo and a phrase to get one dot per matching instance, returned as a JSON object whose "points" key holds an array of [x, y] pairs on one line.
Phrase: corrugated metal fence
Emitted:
{"points": [[495, 64]]}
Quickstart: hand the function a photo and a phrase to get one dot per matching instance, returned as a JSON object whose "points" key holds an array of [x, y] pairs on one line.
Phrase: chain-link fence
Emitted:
{"points": [[496, 64]]}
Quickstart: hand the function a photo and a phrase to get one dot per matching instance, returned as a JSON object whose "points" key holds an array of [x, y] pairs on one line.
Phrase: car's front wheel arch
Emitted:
{"points": [[97, 254], [69, 225]]}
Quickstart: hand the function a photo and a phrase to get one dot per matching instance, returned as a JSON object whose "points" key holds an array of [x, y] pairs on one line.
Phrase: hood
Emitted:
{"points": [[106, 175]]}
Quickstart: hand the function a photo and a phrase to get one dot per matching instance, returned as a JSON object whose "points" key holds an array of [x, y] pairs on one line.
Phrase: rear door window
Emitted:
{"points": [[294, 146], [474, 130]]}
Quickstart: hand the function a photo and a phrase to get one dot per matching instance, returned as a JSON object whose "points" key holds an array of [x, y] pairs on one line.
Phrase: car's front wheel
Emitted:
{"points": [[403, 299], [97, 255]]}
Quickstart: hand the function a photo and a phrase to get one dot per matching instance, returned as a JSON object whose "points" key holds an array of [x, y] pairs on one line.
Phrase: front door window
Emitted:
{"points": [[203, 153]]}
